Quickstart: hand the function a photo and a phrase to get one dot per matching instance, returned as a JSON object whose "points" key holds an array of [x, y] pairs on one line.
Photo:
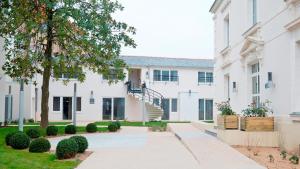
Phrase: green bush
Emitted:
{"points": [[91, 128], [33, 133], [8, 136], [66, 148], [294, 159], [19, 141], [70, 129], [112, 127], [39, 145], [81, 142], [31, 120], [52, 131], [118, 124]]}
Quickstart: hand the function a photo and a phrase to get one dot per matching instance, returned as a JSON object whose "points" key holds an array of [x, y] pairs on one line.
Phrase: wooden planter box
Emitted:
{"points": [[257, 123], [228, 122]]}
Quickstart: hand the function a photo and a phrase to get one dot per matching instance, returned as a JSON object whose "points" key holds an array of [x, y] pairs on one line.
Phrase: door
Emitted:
{"points": [[119, 108], [67, 108], [107, 109], [166, 107], [135, 78]]}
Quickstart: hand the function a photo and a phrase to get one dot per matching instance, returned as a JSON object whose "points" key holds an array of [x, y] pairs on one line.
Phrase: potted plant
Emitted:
{"points": [[255, 118], [227, 119]]}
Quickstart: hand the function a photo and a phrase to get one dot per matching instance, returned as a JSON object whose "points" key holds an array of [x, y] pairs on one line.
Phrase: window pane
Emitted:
{"points": [[209, 110], [254, 3], [201, 77], [165, 75], [174, 76], [254, 85], [156, 75], [156, 101], [209, 77], [78, 104], [119, 108], [106, 108], [201, 109], [166, 107], [174, 105], [56, 103]]}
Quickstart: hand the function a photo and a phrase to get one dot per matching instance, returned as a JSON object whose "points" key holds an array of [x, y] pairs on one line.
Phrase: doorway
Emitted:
{"points": [[135, 77], [166, 107], [67, 108]]}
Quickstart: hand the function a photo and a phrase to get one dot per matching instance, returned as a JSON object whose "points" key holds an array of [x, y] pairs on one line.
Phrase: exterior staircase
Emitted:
{"points": [[151, 98]]}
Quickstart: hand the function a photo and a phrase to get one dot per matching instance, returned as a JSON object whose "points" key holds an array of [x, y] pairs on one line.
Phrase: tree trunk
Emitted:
{"points": [[47, 70]]}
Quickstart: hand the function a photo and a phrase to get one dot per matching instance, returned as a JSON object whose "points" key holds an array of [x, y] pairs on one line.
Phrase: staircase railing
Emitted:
{"points": [[150, 95]]}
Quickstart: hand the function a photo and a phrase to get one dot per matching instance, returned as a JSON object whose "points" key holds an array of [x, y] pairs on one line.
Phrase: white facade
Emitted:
{"points": [[182, 96], [265, 34]]}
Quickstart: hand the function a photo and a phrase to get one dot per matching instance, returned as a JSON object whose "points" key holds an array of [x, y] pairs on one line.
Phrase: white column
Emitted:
{"points": [[74, 104], [21, 105]]}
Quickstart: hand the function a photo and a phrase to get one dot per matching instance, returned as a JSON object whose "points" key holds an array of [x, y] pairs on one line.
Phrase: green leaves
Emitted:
{"points": [[85, 37]]}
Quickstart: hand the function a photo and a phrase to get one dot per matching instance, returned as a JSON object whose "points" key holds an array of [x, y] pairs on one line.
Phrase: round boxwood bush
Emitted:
{"points": [[112, 127], [81, 142], [91, 128], [118, 124], [66, 148], [39, 145], [8, 136], [70, 129], [33, 133], [52, 130], [19, 141]]}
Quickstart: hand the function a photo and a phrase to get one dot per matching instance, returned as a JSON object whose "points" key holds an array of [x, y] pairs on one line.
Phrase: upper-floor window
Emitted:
{"points": [[205, 77], [113, 75], [253, 11], [226, 31], [165, 75]]}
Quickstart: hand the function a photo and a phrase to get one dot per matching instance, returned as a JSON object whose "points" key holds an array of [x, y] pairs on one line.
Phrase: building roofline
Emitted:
{"points": [[215, 6], [158, 57]]}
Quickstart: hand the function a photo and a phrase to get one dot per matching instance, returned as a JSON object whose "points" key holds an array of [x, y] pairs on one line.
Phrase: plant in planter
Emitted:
{"points": [[294, 159], [227, 119], [255, 118], [271, 158], [283, 154]]}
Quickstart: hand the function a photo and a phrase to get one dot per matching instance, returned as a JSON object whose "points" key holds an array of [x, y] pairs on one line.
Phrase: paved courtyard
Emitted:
{"points": [[136, 148]]}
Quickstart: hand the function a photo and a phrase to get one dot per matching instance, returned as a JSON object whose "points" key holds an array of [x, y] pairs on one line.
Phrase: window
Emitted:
{"points": [[255, 80], [106, 108], [205, 109], [174, 105], [253, 11], [157, 75], [78, 104], [56, 103], [226, 31], [112, 75], [92, 101], [205, 77], [119, 108], [174, 75], [165, 75]]}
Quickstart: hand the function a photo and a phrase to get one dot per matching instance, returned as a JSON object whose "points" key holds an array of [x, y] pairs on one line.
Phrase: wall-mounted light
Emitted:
{"points": [[270, 83], [147, 75], [92, 100], [234, 87], [190, 92]]}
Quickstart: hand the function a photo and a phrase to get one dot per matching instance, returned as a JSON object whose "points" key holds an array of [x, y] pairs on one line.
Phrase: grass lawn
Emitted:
{"points": [[22, 159]]}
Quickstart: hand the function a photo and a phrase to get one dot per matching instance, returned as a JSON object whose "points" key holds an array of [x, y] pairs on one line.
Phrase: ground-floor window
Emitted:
{"points": [[205, 109], [255, 79], [113, 109], [65, 105]]}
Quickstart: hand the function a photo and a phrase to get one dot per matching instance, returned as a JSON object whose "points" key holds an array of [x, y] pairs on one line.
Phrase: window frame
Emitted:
{"points": [[174, 100], [59, 104], [204, 106], [206, 81], [159, 77]]}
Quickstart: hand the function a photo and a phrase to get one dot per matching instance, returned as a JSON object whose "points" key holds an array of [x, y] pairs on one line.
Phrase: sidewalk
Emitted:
{"points": [[210, 152]]}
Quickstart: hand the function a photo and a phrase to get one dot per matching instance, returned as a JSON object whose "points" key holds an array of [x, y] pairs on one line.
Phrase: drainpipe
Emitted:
{"points": [[75, 104], [21, 105]]}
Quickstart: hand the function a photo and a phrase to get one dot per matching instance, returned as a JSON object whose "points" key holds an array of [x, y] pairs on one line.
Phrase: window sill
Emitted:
{"points": [[225, 51], [254, 28]]}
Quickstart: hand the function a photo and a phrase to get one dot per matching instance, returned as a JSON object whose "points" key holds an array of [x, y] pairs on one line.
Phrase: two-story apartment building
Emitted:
{"points": [[257, 54], [176, 89]]}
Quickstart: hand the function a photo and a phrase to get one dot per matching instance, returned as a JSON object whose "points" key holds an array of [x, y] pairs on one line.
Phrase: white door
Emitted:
{"points": [[188, 106]]}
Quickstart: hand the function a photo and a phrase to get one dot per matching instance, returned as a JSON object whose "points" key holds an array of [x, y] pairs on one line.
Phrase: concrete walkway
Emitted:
{"points": [[210, 152], [159, 151]]}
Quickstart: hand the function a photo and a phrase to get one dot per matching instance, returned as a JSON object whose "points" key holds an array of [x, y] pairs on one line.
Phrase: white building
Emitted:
{"points": [[257, 54], [186, 86]]}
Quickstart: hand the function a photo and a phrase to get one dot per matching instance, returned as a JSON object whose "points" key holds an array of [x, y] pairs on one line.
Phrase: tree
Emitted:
{"points": [[54, 37]]}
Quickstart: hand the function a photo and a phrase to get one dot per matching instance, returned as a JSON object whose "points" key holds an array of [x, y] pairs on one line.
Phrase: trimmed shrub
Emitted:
{"points": [[118, 124], [52, 131], [8, 136], [70, 129], [39, 145], [81, 142], [31, 120], [112, 127], [66, 148], [91, 128], [33, 133], [19, 141]]}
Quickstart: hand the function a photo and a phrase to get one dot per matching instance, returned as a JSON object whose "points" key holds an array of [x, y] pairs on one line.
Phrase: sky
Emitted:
{"points": [[169, 28]]}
